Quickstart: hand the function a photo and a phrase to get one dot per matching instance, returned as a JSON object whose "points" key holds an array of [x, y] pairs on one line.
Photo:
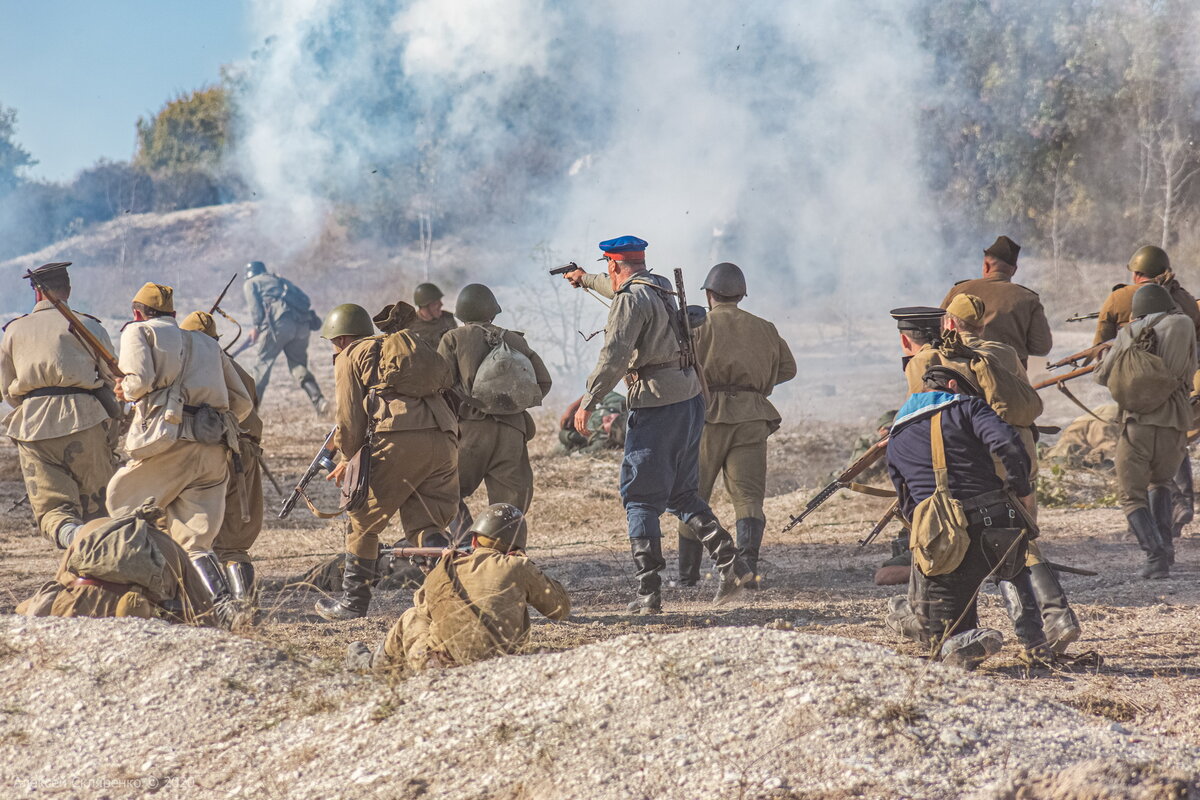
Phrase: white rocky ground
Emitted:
{"points": [[124, 708]]}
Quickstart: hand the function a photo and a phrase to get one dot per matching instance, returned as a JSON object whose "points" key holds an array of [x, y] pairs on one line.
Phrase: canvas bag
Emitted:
{"points": [[1009, 394], [158, 416], [938, 536], [505, 382], [1137, 377]]}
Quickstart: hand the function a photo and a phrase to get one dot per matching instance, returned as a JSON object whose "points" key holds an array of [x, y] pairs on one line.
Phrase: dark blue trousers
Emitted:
{"points": [[661, 468]]}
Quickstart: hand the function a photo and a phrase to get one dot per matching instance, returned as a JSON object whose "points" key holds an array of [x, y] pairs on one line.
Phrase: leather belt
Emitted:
{"points": [[733, 388], [191, 409], [108, 586], [57, 391], [998, 516], [643, 372]]}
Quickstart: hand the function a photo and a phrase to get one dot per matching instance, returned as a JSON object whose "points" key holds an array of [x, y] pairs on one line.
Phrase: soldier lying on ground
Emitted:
{"points": [[472, 606], [606, 426]]}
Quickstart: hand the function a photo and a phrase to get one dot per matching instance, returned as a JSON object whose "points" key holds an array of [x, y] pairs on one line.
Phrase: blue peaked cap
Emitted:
{"points": [[624, 244]]}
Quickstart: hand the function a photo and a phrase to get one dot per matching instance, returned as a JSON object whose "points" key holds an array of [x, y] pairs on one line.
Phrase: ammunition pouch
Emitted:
{"points": [[1005, 550]]}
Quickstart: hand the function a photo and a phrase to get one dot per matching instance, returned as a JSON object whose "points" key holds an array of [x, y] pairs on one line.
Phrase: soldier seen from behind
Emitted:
{"points": [[283, 319]]}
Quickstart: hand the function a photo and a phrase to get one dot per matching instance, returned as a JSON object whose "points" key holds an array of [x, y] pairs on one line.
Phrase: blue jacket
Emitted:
{"points": [[971, 433]]}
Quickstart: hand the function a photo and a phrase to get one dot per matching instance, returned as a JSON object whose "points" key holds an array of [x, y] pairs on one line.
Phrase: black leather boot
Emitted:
{"points": [[1022, 607], [355, 598], [1141, 522], [213, 577], [749, 542], [1162, 508], [647, 557], [1183, 497], [241, 584], [310, 387], [1059, 622], [691, 553], [719, 544]]}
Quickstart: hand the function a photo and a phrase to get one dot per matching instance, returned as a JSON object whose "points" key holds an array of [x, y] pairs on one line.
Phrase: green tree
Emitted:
{"points": [[190, 133], [13, 157]]}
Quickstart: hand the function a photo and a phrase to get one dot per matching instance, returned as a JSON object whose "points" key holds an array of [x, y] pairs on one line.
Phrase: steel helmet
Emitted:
{"points": [[726, 279], [255, 268], [501, 527], [347, 319], [1150, 261], [1150, 298], [425, 294], [476, 303]]}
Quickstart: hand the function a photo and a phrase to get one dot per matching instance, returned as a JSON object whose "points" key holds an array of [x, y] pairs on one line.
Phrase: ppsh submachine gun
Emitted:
{"points": [[846, 481], [322, 462]]}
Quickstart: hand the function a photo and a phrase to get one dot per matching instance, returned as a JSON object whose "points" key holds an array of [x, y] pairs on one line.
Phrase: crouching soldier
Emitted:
{"points": [[472, 606], [940, 461]]}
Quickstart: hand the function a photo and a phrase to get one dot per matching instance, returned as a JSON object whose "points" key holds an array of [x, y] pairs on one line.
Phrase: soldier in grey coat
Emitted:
{"points": [[283, 318]]}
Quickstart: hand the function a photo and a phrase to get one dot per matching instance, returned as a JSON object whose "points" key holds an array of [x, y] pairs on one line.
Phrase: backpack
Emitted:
{"points": [[409, 366], [505, 382], [1010, 395], [295, 298], [1137, 376]]}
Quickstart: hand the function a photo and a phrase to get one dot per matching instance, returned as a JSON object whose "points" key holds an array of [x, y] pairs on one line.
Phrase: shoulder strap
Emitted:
{"points": [[488, 624], [938, 447]]}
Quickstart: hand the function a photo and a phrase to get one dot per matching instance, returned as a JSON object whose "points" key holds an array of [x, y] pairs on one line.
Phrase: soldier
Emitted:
{"points": [[606, 427], [1149, 264], [1152, 442], [59, 422], [233, 542], [743, 358], [1015, 315], [431, 322], [390, 398], [283, 319], [660, 469], [491, 447], [184, 392], [472, 606]]}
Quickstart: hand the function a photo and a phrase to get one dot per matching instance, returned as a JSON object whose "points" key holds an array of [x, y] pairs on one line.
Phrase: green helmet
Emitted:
{"points": [[255, 268], [501, 527], [726, 280], [476, 303], [425, 294], [1150, 298], [347, 320], [1150, 261]]}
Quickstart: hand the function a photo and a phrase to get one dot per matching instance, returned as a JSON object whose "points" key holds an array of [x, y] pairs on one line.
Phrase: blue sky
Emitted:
{"points": [[80, 72]]}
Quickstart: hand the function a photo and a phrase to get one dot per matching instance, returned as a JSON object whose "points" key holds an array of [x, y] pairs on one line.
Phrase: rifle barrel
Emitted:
{"points": [[1065, 377], [221, 296]]}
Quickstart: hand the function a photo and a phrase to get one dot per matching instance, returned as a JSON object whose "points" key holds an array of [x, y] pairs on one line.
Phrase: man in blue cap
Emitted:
{"points": [[660, 471]]}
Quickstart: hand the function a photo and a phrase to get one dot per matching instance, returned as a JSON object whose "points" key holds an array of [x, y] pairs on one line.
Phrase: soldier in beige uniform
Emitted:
{"points": [[236, 536], [431, 322], [491, 448], [473, 606], [743, 358], [414, 446], [1149, 264], [1015, 316], [183, 463], [1152, 444], [58, 424]]}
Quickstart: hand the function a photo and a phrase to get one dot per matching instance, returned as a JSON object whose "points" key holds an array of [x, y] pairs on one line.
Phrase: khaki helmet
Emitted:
{"points": [[501, 527], [347, 320], [476, 303], [726, 279], [1150, 261], [425, 294], [1150, 298]]}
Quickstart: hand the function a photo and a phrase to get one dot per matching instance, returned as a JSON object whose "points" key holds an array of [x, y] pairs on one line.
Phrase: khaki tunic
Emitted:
{"points": [[414, 462], [235, 538], [638, 334], [188, 480], [62, 441], [433, 330], [1014, 315], [492, 448], [501, 588], [1118, 308]]}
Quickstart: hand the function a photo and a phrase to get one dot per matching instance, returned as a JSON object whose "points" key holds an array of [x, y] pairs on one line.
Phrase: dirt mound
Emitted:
{"points": [[113, 707], [1097, 780]]}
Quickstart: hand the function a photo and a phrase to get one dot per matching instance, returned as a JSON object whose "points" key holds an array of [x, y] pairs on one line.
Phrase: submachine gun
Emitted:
{"points": [[323, 462]]}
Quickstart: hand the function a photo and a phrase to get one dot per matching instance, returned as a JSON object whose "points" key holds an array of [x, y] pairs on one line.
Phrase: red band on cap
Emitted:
{"points": [[631, 255]]}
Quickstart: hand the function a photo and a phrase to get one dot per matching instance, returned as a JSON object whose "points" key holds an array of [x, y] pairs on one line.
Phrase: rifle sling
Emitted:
{"points": [[316, 512], [1062, 387], [873, 491]]}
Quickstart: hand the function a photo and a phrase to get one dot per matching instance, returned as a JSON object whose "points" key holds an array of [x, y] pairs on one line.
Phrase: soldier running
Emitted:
{"points": [[283, 319]]}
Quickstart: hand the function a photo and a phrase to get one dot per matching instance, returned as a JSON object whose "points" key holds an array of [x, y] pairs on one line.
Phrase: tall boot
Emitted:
{"points": [[647, 557], [749, 541], [213, 577], [1141, 522], [309, 384], [719, 544], [1162, 508], [355, 598], [241, 584], [461, 523], [1022, 607], [1059, 622], [691, 553], [1183, 497]]}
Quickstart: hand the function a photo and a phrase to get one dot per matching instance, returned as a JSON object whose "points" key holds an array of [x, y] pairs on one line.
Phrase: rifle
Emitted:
{"points": [[892, 512], [843, 481], [420, 552], [1082, 317], [216, 309], [77, 328], [322, 461], [687, 338], [1082, 358]]}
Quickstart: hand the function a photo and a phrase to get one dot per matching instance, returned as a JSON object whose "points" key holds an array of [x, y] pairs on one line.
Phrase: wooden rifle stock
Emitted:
{"points": [[1058, 380], [77, 328], [1082, 358], [842, 481]]}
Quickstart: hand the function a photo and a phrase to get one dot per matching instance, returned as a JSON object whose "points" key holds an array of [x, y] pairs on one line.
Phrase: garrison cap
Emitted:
{"points": [[1004, 249], [201, 321], [157, 296], [967, 307], [624, 248], [918, 318]]}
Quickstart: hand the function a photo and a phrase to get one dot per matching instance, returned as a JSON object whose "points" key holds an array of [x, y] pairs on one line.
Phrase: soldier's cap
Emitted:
{"points": [[394, 317], [201, 321], [918, 318], [968, 308], [1004, 249], [966, 385], [156, 296], [48, 270], [624, 248]]}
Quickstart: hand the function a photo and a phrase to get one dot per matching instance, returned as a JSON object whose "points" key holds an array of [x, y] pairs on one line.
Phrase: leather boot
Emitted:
{"points": [[971, 648], [310, 387], [1162, 508], [213, 577], [749, 541], [461, 523], [647, 557], [241, 583], [1183, 497], [719, 544], [355, 598], [1022, 607], [1141, 522], [1059, 622], [691, 553], [902, 621]]}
